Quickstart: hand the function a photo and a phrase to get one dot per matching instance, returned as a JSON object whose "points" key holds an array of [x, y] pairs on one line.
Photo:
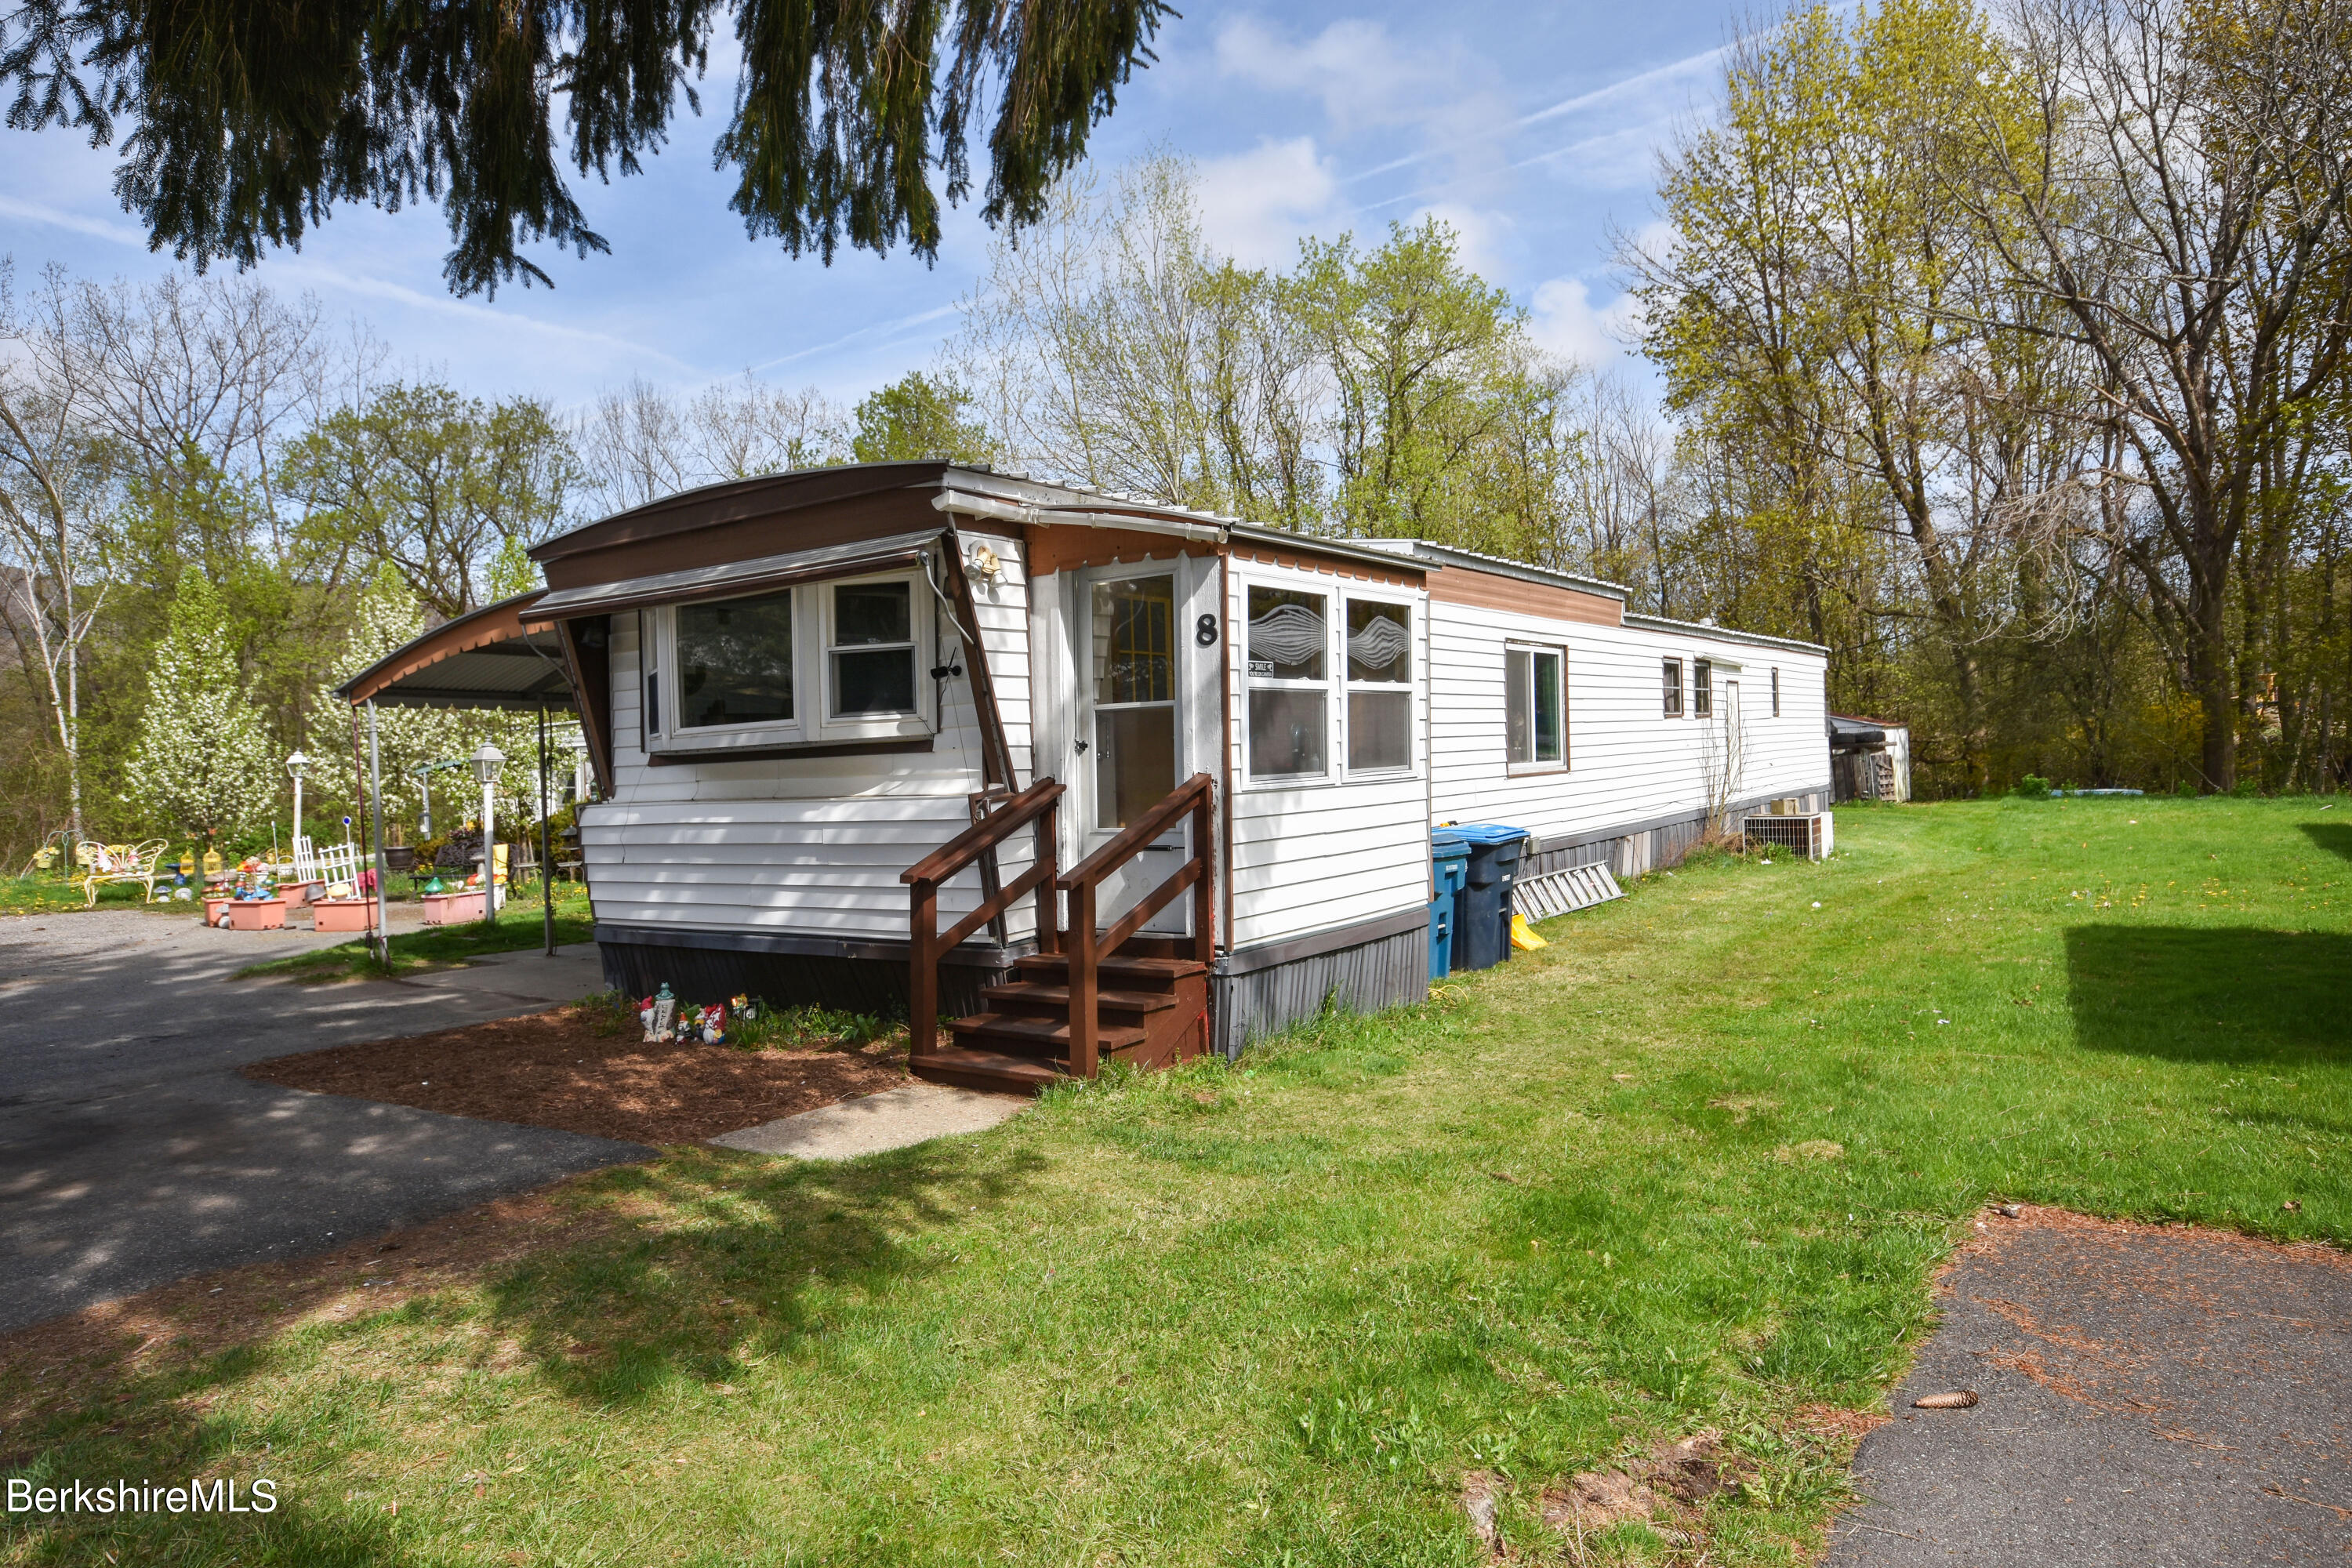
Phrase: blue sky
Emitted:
{"points": [[1531, 131]]}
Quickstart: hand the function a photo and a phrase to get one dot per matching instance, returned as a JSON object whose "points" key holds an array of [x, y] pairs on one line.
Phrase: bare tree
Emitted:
{"points": [[639, 443], [2184, 200], [55, 491]]}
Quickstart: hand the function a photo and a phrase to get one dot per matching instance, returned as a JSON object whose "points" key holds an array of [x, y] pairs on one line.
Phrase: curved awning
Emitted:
{"points": [[505, 654]]}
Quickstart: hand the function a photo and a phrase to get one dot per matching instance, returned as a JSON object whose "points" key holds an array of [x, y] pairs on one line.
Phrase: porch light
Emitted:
{"points": [[487, 763]]}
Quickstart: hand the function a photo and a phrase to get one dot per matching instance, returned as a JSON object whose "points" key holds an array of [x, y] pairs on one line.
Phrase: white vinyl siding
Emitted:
{"points": [[809, 844], [1628, 769], [1337, 850]]}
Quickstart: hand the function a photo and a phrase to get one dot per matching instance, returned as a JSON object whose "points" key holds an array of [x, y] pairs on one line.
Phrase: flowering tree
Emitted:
{"points": [[202, 761], [390, 615]]}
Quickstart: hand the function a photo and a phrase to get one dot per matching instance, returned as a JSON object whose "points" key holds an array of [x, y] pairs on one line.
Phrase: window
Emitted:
{"points": [[1702, 689], [1776, 691], [1673, 689], [734, 662], [824, 662], [1533, 718], [873, 651], [1134, 634], [1380, 686], [1289, 686]]}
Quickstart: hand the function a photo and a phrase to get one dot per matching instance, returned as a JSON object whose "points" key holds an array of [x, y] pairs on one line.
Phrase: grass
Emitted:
{"points": [[521, 926], [48, 895], [1692, 1165]]}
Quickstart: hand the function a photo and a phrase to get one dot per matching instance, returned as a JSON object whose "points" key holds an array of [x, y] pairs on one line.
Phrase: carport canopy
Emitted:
{"points": [[500, 656]]}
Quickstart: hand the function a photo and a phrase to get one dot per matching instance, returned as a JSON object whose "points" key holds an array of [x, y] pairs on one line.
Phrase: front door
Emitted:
{"points": [[1131, 731]]}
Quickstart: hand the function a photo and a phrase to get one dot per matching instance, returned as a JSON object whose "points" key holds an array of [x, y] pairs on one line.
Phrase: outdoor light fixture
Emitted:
{"points": [[487, 763], [294, 766]]}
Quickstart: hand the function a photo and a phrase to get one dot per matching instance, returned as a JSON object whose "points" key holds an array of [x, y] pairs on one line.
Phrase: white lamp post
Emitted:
{"points": [[487, 763], [294, 766]]}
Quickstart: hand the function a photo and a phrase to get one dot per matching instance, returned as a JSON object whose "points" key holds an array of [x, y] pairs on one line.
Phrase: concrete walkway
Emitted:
{"points": [[2160, 1399], [894, 1118], [131, 1153]]}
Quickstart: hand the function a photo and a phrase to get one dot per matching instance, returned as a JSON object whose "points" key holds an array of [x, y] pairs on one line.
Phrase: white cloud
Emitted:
{"points": [[1255, 205], [1563, 318], [1369, 82]]}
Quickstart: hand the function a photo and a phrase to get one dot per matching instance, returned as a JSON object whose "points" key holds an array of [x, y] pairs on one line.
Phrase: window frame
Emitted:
{"points": [[1333, 685], [1534, 764], [1776, 691], [1412, 686], [659, 732], [1670, 677], [1702, 689], [923, 719]]}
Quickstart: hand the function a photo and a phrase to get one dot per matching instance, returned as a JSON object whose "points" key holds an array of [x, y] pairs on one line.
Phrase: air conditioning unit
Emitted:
{"points": [[1812, 836]]}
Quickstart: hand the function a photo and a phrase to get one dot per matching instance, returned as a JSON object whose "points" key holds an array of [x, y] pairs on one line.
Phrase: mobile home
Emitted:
{"points": [[1103, 777]]}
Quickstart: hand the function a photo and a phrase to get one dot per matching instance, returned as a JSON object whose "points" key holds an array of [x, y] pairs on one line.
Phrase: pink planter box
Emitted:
{"points": [[341, 914], [212, 907], [257, 914], [449, 909], [297, 894]]}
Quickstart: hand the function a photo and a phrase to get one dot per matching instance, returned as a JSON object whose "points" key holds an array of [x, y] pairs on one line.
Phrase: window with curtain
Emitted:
{"points": [[1380, 686], [1289, 683], [1535, 710], [1673, 701], [1702, 689]]}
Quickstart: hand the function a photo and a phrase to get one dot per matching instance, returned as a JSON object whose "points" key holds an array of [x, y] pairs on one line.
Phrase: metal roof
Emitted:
{"points": [[500, 656]]}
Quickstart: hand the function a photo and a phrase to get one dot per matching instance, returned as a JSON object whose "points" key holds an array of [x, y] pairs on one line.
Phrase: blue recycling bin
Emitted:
{"points": [[1482, 911], [1449, 859]]}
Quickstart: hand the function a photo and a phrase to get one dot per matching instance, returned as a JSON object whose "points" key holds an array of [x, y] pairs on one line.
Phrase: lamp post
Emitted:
{"points": [[487, 763], [294, 766], [424, 771]]}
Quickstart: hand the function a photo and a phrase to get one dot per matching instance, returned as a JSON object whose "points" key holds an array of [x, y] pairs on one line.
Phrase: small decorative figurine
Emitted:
{"points": [[665, 1013], [646, 1018]]}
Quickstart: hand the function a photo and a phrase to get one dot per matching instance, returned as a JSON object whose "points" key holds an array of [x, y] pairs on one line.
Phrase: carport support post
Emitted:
{"points": [[375, 807], [546, 860]]}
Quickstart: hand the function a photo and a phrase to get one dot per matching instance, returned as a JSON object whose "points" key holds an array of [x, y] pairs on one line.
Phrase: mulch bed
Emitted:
{"points": [[554, 1070]]}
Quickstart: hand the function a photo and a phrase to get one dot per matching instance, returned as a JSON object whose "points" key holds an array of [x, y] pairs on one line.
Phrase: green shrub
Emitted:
{"points": [[2032, 786]]}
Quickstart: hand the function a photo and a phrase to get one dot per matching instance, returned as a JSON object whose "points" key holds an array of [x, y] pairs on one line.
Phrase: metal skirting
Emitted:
{"points": [[1577, 888], [1387, 971]]}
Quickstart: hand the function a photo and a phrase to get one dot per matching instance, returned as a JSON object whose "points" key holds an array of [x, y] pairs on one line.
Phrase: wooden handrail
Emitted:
{"points": [[928, 943], [1146, 829], [1197, 796], [967, 847]]}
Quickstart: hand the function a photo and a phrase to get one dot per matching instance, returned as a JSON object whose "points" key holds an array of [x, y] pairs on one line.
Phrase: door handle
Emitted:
{"points": [[1081, 746]]}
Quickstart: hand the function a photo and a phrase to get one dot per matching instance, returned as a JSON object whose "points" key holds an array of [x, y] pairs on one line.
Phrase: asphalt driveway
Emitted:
{"points": [[2156, 1398], [132, 1153]]}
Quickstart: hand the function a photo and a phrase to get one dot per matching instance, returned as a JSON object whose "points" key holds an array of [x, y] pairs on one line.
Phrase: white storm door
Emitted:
{"points": [[1131, 731]]}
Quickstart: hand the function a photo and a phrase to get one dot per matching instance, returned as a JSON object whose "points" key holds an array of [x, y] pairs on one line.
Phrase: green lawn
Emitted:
{"points": [[1690, 1166], [521, 925], [48, 895]]}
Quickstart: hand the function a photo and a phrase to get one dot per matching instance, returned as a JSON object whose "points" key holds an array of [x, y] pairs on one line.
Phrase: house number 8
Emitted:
{"points": [[1205, 631]]}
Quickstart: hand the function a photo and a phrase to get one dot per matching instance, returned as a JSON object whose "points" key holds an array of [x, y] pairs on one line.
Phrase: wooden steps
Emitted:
{"points": [[1151, 1010]]}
